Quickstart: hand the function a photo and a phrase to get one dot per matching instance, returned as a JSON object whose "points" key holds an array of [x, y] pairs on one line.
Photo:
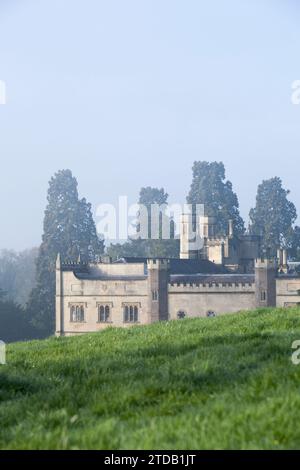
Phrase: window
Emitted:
{"points": [[154, 295], [263, 296], [103, 313], [77, 313], [181, 314], [131, 314]]}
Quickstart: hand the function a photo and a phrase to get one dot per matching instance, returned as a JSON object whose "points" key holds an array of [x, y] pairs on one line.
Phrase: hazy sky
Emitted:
{"points": [[128, 93]]}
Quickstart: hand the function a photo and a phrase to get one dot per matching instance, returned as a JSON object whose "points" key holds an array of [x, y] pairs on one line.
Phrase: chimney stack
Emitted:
{"points": [[284, 258], [280, 256], [230, 226]]}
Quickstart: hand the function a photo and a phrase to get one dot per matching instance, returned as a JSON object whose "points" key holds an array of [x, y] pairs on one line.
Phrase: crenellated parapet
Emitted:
{"points": [[158, 263], [214, 284]]}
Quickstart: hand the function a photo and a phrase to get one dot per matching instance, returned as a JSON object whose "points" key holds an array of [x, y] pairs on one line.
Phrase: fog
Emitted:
{"points": [[129, 93]]}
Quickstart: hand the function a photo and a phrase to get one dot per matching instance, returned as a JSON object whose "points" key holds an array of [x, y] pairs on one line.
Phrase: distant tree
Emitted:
{"points": [[14, 323], [149, 247], [293, 244], [273, 216], [131, 248], [210, 188], [158, 247], [145, 249], [148, 197], [69, 229], [17, 274]]}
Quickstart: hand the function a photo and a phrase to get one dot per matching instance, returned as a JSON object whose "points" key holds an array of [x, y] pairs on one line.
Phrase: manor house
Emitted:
{"points": [[224, 275]]}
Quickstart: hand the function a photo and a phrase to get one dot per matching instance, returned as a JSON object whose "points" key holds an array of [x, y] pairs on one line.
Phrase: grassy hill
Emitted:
{"points": [[216, 383]]}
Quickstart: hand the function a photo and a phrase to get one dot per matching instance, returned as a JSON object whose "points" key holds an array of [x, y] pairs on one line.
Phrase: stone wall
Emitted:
{"points": [[288, 289], [198, 301], [91, 293]]}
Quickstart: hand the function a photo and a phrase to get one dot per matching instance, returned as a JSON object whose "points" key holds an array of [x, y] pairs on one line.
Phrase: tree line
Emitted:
{"points": [[69, 229]]}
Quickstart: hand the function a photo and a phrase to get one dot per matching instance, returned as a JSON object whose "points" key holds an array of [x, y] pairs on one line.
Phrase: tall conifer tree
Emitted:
{"points": [[273, 216], [210, 188], [69, 229]]}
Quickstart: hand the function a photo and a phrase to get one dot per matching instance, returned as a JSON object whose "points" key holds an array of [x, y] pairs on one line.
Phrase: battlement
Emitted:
{"points": [[157, 263], [264, 263], [218, 282], [71, 265], [211, 286]]}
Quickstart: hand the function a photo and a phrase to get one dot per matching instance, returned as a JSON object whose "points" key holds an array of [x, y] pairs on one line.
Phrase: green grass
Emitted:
{"points": [[216, 383]]}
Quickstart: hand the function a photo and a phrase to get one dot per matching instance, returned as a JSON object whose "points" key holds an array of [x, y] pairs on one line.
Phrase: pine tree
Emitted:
{"points": [[294, 244], [69, 229], [149, 196], [273, 216], [150, 247], [210, 188]]}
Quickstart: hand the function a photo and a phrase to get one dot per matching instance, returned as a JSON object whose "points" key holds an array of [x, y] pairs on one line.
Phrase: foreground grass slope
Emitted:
{"points": [[216, 383]]}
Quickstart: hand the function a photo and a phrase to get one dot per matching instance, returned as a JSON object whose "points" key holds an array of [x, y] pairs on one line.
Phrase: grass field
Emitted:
{"points": [[216, 383]]}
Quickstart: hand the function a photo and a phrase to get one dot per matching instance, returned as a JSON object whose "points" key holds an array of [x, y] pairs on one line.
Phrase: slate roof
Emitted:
{"points": [[195, 266], [213, 278], [180, 270], [185, 266], [99, 277]]}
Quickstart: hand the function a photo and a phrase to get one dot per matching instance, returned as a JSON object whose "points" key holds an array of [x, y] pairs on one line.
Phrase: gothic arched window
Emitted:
{"points": [[154, 295], [131, 314], [77, 313], [263, 296], [103, 313]]}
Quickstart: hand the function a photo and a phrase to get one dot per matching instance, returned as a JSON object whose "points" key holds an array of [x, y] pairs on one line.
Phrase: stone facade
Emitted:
{"points": [[103, 285], [92, 297], [225, 276], [218, 294], [287, 291]]}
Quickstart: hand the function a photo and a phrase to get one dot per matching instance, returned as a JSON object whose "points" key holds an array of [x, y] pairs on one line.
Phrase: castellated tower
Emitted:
{"points": [[193, 233], [199, 238], [158, 278], [186, 234], [265, 282]]}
